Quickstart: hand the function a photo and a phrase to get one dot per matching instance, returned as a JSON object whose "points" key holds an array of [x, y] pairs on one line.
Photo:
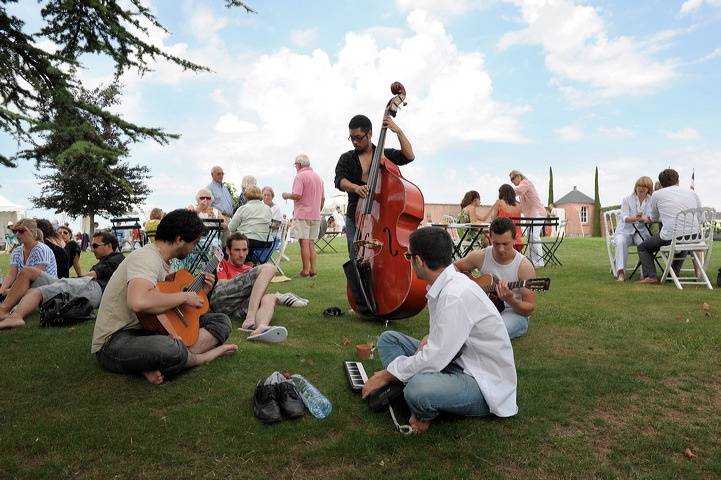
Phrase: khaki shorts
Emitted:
{"points": [[306, 229]]}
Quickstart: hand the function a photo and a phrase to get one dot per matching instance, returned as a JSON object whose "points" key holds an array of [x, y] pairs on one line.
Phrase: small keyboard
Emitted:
{"points": [[356, 374]]}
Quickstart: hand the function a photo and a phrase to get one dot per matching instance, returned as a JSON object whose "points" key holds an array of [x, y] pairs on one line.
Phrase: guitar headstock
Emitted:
{"points": [[394, 104], [537, 283]]}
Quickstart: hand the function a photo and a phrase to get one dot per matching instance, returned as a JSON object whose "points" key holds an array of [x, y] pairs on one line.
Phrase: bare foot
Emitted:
{"points": [[621, 277], [3, 314], [419, 426], [154, 377], [207, 357], [12, 322]]}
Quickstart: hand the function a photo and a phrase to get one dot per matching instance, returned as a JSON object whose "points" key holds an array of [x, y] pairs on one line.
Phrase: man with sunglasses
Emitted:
{"points": [[464, 366], [90, 285], [351, 171]]}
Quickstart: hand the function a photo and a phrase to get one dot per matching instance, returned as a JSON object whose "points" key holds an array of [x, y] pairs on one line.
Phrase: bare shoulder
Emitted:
{"points": [[526, 270]]}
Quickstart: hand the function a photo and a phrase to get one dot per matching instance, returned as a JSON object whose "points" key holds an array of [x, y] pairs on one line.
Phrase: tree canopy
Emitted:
{"points": [[36, 84]]}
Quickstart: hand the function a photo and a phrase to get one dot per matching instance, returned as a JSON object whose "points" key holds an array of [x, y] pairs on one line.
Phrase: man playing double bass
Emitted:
{"points": [[351, 171]]}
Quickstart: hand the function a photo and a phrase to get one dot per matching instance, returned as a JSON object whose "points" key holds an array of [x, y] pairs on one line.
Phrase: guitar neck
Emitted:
{"points": [[199, 280], [511, 285]]}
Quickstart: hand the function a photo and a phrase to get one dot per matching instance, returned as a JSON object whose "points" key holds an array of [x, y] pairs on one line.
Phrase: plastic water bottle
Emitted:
{"points": [[318, 405]]}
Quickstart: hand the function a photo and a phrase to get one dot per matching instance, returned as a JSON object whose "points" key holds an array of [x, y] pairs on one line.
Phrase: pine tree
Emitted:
{"points": [[596, 209], [82, 152], [36, 84], [550, 186]]}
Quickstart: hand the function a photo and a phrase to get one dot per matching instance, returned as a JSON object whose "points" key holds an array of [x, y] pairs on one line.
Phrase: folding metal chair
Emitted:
{"points": [[610, 222], [200, 255], [262, 255], [550, 244], [692, 234], [278, 252], [128, 232]]}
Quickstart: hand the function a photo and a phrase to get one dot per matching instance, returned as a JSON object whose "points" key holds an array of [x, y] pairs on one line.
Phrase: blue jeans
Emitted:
{"points": [[350, 229], [135, 351], [430, 393], [516, 324]]}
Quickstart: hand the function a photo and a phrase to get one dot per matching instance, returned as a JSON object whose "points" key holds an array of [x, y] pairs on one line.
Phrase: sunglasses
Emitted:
{"points": [[96, 245], [204, 198], [357, 138], [18, 230], [410, 255]]}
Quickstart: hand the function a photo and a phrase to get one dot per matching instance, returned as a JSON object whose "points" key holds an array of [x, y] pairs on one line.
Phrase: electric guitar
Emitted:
{"points": [[488, 283], [183, 321]]}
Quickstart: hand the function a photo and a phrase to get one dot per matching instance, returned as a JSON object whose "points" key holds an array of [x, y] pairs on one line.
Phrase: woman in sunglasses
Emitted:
{"points": [[33, 263], [204, 206]]}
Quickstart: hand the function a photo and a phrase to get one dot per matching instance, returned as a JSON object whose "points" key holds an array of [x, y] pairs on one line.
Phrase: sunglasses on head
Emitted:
{"points": [[96, 245]]}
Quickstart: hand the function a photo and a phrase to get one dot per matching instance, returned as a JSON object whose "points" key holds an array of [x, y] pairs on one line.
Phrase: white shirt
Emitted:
{"points": [[462, 318], [339, 220], [630, 206], [667, 202]]}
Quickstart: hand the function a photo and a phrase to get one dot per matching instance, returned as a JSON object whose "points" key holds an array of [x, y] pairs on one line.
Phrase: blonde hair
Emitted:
{"points": [[157, 213], [253, 193], [31, 225], [248, 181], [515, 173], [644, 182]]}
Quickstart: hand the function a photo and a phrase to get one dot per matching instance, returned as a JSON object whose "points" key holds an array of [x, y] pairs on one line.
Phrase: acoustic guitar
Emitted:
{"points": [[183, 321], [488, 283]]}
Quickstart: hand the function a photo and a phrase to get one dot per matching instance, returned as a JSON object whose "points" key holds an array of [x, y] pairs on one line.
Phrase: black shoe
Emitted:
{"points": [[265, 403], [289, 400]]}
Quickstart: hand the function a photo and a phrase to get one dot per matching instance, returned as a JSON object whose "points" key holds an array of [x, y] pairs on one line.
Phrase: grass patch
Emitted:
{"points": [[615, 381]]}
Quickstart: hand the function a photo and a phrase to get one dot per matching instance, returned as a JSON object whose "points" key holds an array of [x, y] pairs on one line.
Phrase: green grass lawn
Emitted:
{"points": [[614, 381]]}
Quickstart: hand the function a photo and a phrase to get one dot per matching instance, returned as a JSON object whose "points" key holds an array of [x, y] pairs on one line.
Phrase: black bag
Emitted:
{"points": [[63, 310], [380, 399]]}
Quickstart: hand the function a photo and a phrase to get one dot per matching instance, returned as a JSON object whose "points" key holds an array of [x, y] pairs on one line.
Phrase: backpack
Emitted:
{"points": [[62, 309]]}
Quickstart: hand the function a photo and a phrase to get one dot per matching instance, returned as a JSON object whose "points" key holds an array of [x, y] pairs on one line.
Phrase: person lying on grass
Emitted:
{"points": [[241, 292], [90, 285], [464, 366], [120, 343]]}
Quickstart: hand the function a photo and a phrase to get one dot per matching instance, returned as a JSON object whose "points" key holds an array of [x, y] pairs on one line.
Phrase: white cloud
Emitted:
{"points": [[304, 38], [229, 123], [569, 133], [302, 103], [616, 132], [588, 66], [441, 9], [684, 134], [692, 5]]}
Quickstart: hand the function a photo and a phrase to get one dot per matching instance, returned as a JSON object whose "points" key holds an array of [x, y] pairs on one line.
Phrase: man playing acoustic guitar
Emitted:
{"points": [[120, 344], [502, 261]]}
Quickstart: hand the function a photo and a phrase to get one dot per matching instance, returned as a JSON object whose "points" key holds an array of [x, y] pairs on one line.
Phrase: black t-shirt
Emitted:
{"points": [[349, 167], [105, 268], [72, 250], [61, 259]]}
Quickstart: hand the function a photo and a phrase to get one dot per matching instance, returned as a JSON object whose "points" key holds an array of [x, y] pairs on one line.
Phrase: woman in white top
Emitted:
{"points": [[204, 206], [631, 223]]}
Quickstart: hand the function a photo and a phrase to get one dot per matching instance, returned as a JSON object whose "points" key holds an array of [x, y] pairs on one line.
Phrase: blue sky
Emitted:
{"points": [[628, 87]]}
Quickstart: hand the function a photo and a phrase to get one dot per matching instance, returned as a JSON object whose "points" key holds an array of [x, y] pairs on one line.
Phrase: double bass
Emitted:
{"points": [[381, 281]]}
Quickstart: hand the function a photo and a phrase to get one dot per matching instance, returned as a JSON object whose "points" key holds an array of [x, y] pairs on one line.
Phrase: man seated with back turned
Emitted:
{"points": [[90, 285], [664, 205], [120, 343], [508, 265], [464, 366], [240, 293]]}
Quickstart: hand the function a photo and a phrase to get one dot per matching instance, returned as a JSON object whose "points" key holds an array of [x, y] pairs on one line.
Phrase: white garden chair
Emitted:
{"points": [[692, 235]]}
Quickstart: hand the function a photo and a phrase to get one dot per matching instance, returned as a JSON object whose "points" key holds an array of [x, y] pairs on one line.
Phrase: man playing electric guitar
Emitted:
{"points": [[502, 261], [120, 344]]}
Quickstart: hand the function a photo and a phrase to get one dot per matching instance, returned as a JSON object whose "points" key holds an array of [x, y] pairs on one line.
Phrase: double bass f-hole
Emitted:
{"points": [[393, 252]]}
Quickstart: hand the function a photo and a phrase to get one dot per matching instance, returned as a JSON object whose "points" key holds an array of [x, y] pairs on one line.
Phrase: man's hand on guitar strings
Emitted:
{"points": [[192, 299], [503, 292]]}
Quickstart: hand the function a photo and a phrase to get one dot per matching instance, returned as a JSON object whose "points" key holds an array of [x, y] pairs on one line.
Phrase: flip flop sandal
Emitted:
{"points": [[274, 334], [332, 312], [249, 329]]}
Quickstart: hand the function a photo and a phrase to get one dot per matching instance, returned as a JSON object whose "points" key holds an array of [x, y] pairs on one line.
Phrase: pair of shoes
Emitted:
{"points": [[270, 400], [291, 300], [313, 274], [304, 274], [274, 334], [649, 280]]}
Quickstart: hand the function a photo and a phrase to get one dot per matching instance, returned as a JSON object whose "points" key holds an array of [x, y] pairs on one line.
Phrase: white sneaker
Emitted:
{"points": [[291, 300]]}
